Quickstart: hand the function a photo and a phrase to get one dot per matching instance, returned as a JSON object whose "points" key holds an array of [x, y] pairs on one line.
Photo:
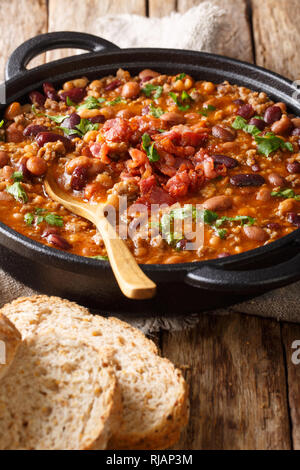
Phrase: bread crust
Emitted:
{"points": [[168, 431], [10, 339]]}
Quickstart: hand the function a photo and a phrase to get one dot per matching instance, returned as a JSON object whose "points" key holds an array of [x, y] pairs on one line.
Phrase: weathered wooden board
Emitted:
{"points": [[82, 16], [20, 20], [237, 380], [161, 8], [290, 335], [276, 35]]}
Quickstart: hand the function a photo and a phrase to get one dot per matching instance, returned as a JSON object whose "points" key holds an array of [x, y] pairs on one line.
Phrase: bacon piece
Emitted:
{"points": [[100, 151], [138, 158], [178, 186], [152, 194], [117, 130]]}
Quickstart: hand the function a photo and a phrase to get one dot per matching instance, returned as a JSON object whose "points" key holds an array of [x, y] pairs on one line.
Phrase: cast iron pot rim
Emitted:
{"points": [[55, 256]]}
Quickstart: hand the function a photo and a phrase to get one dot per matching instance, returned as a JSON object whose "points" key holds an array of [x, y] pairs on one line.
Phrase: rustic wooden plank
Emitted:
{"points": [[234, 36], [276, 35], [83, 16], [236, 372], [159, 8], [20, 21], [290, 335]]}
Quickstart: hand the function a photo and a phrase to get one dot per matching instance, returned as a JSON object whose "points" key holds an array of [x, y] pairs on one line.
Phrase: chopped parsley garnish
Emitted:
{"points": [[156, 112], [69, 102], [82, 128], [149, 89], [117, 100], [149, 148], [265, 144], [17, 176], [242, 219], [1, 123], [287, 194], [18, 192], [58, 119], [180, 102], [270, 143], [100, 257], [204, 111], [91, 103], [50, 219], [241, 123], [180, 76], [34, 110], [29, 218]]}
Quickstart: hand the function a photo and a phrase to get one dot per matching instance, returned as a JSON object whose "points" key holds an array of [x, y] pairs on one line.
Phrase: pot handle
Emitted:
{"points": [[45, 42], [218, 279]]}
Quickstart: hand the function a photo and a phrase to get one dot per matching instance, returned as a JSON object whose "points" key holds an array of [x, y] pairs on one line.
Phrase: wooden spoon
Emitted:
{"points": [[131, 279]]}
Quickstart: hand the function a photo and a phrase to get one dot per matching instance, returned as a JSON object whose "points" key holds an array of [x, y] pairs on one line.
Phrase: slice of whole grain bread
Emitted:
{"points": [[59, 394], [155, 398], [10, 340]]}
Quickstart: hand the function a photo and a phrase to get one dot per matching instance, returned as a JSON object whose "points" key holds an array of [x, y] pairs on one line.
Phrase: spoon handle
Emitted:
{"points": [[131, 279]]}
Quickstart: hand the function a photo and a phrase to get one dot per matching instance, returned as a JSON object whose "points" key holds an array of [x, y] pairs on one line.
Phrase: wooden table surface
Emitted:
{"points": [[244, 389]]}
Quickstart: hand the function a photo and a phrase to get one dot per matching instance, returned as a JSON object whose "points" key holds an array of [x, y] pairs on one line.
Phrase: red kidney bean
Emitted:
{"points": [[58, 241], [23, 168], [72, 121], [239, 102], [79, 178], [272, 114], [75, 94], [97, 119], [224, 160], [50, 231], [144, 80], [296, 131], [37, 98], [43, 137], [33, 130], [274, 226], [225, 133], [112, 85], [293, 167], [294, 219], [259, 123], [247, 179], [246, 111], [50, 91]]}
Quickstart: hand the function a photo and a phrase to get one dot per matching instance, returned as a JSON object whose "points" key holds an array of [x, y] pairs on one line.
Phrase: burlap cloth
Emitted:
{"points": [[195, 30]]}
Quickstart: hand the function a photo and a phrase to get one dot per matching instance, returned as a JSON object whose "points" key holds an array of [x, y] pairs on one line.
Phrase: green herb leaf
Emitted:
{"points": [[100, 257], [177, 102], [149, 89], [57, 119], [242, 219], [221, 233], [156, 112], [1, 123], [286, 194], [149, 148], [35, 111], [69, 102], [241, 123], [209, 217], [91, 103], [18, 192], [117, 100], [180, 76], [270, 143], [54, 219], [29, 218], [17, 176]]}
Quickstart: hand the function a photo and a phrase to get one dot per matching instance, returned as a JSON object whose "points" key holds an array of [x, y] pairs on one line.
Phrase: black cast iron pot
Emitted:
{"points": [[183, 287]]}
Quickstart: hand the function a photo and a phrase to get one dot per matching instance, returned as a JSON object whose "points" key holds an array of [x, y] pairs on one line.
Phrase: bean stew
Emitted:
{"points": [[156, 140]]}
